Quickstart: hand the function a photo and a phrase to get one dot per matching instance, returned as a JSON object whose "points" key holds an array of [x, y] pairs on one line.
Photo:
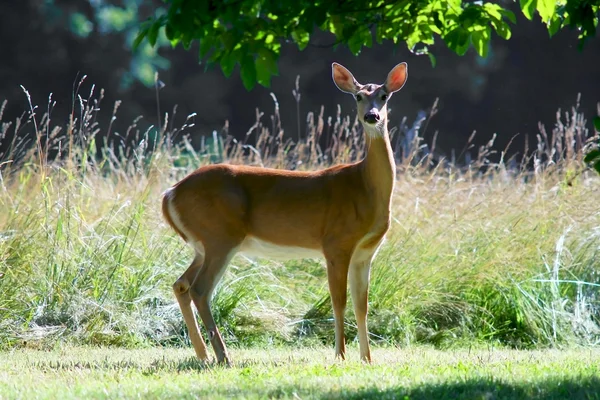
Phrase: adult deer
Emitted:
{"points": [[341, 213]]}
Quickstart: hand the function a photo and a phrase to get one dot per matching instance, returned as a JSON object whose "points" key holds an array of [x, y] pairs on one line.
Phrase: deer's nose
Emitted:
{"points": [[372, 117]]}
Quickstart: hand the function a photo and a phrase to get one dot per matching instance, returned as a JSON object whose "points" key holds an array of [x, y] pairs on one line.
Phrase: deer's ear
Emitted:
{"points": [[396, 78], [344, 79]]}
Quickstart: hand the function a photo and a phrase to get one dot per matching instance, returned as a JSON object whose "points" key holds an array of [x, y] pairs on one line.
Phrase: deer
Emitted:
{"points": [[341, 213]]}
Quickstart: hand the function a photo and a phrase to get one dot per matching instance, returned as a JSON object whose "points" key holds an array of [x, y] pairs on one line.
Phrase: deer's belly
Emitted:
{"points": [[254, 247]]}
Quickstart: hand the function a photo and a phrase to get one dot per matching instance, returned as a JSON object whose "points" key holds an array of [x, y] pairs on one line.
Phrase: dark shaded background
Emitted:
{"points": [[523, 81]]}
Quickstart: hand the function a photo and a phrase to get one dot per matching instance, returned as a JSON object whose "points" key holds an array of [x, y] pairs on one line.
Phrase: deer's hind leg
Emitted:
{"points": [[216, 261], [181, 288]]}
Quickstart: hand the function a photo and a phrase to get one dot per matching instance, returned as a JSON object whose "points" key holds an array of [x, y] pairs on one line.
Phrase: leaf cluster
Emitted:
{"points": [[249, 33]]}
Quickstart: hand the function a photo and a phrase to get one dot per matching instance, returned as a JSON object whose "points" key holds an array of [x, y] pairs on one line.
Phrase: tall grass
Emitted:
{"points": [[482, 252]]}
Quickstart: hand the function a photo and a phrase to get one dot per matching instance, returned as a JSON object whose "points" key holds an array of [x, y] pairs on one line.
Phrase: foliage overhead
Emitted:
{"points": [[105, 17], [249, 32]]}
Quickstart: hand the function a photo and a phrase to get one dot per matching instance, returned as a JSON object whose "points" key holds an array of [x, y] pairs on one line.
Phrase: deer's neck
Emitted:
{"points": [[378, 166]]}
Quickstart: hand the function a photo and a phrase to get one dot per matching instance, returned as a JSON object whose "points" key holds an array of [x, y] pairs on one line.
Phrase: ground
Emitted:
{"points": [[300, 373]]}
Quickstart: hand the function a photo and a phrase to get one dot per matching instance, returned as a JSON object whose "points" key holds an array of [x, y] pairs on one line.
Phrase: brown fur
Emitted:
{"points": [[290, 208]]}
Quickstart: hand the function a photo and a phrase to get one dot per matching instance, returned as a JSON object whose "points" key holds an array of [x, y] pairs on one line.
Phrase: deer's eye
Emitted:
{"points": [[358, 97], [384, 97]]}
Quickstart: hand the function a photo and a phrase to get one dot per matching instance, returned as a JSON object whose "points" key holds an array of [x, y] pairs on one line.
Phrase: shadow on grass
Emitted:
{"points": [[554, 388]]}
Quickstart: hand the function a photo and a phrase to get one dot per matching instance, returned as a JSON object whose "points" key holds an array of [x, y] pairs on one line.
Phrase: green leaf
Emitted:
{"points": [[493, 10], [503, 30], [336, 26], [480, 41], [229, 40], [528, 7], [268, 60], [597, 123], [153, 33], [554, 25], [170, 31], [367, 38], [248, 72], [227, 62], [355, 43], [206, 43], [432, 59], [138, 39], [591, 156], [470, 16], [266, 66], [457, 40], [510, 15], [263, 77], [301, 38], [546, 9]]}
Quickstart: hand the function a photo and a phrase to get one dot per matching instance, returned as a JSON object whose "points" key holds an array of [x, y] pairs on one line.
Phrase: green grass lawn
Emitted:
{"points": [[415, 373]]}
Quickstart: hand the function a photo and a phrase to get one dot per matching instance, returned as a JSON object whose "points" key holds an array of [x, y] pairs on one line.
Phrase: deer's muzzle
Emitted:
{"points": [[372, 117]]}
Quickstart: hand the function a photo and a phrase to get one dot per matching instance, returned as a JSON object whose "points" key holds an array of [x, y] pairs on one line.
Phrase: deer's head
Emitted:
{"points": [[371, 99]]}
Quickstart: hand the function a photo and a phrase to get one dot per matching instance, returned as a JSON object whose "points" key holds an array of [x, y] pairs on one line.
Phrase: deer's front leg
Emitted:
{"points": [[337, 276], [360, 268]]}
